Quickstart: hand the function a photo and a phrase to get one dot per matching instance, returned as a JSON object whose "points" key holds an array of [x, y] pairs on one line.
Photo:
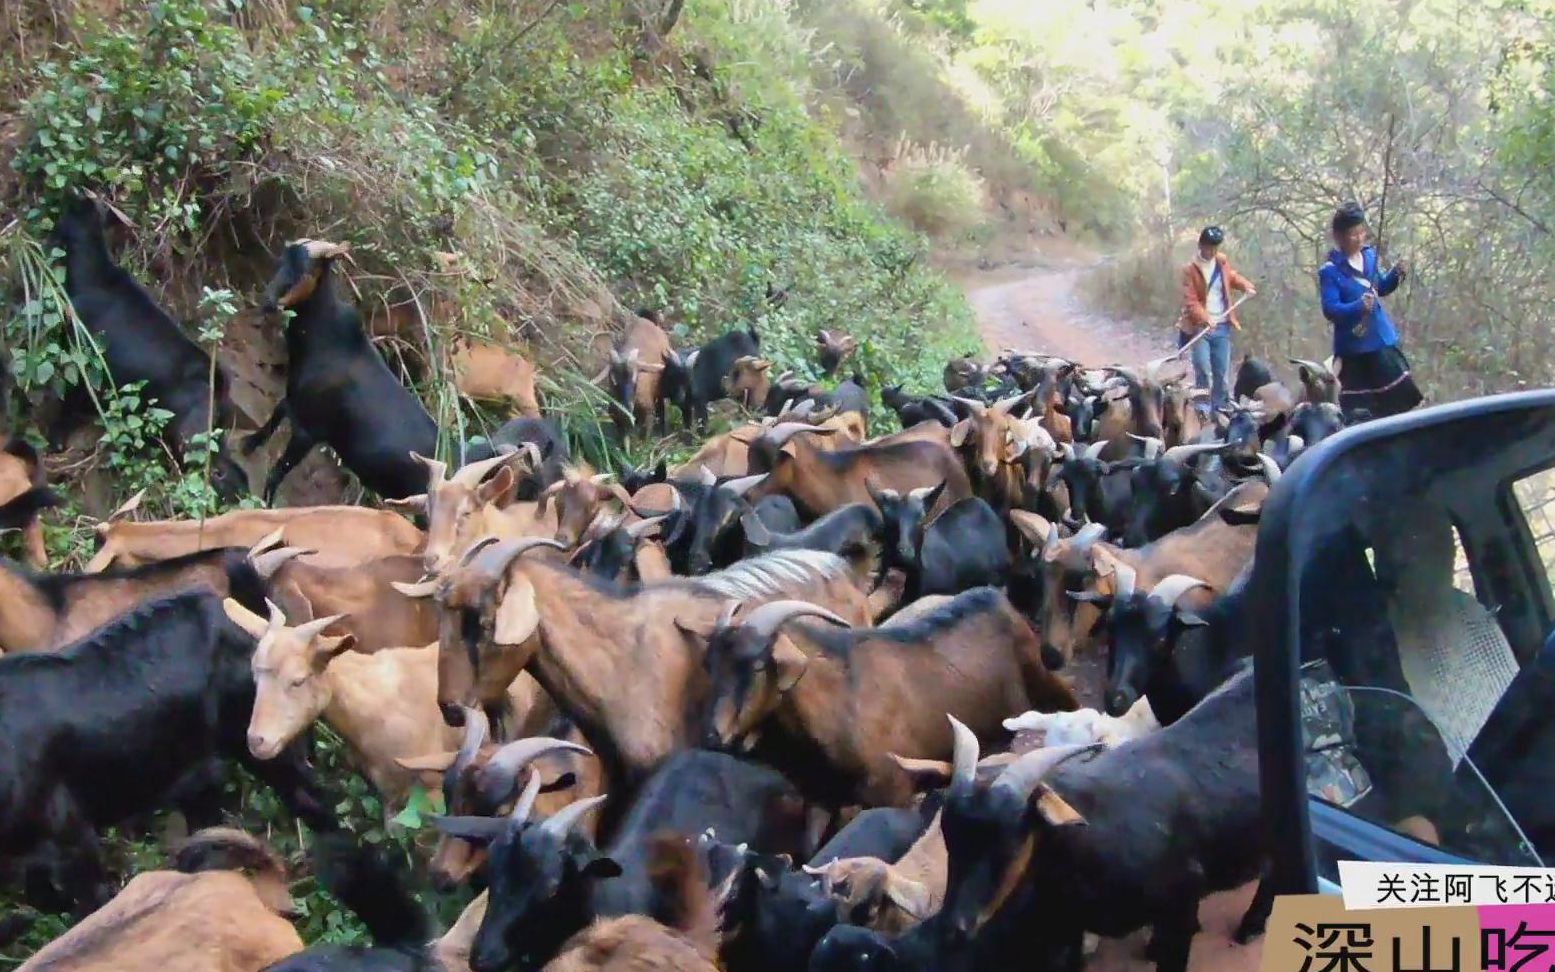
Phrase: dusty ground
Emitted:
{"points": [[1032, 303]]}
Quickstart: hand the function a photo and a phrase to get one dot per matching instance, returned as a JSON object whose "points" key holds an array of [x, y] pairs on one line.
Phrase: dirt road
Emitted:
{"points": [[1035, 305]]}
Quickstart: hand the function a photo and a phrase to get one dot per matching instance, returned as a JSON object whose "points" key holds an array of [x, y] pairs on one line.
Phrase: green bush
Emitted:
{"points": [[933, 190]]}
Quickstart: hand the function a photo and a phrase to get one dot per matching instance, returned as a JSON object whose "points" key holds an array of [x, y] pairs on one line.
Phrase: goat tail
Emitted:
{"points": [[371, 887], [681, 899]]}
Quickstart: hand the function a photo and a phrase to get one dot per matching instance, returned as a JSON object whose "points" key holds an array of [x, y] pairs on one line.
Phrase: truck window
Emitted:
{"points": [[1535, 497], [1407, 666]]}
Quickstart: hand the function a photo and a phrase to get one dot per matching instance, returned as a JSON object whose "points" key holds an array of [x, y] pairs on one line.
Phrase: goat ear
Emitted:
{"points": [[1054, 810], [409, 504], [959, 433], [325, 649], [499, 485], [479, 830], [601, 867], [517, 616], [788, 663], [429, 763], [925, 774], [244, 618]]}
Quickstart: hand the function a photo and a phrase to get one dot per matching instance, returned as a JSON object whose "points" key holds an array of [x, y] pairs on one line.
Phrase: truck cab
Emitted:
{"points": [[1403, 626]]}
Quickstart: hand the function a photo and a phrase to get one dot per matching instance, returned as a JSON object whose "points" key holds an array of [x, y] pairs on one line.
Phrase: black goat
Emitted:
{"points": [[374, 889], [852, 532], [542, 434], [141, 343], [339, 392], [697, 379], [710, 534], [1251, 375], [786, 389], [1163, 649], [915, 409], [113, 725], [632, 479], [963, 548], [1098, 491], [881, 832], [851, 396], [1163, 493], [548, 881]]}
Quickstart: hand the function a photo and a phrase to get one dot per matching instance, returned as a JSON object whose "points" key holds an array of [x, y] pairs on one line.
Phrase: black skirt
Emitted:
{"points": [[1376, 384]]}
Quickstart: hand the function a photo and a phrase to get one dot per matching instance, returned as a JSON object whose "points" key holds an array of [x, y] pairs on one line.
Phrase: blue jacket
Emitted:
{"points": [[1340, 288]]}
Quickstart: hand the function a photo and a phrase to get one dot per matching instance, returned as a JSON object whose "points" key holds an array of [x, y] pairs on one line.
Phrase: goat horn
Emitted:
{"points": [[475, 548], [766, 620], [1050, 546], [1125, 579], [726, 615], [743, 485], [266, 542], [1093, 451], [560, 824], [423, 588], [266, 564], [1153, 446], [476, 728], [314, 628], [127, 507], [505, 763], [964, 763], [1271, 469], [1317, 366], [977, 407], [599, 479], [277, 617], [1181, 454], [779, 434], [1022, 776], [1174, 586], [504, 552], [1089, 534], [472, 473], [437, 472], [706, 477], [1004, 406], [643, 527], [526, 800]]}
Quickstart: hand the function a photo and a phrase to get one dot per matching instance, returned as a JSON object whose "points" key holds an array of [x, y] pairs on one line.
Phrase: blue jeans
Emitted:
{"points": [[1211, 358]]}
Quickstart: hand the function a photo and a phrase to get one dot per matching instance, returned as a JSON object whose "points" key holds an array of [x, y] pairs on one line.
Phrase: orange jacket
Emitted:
{"points": [[1195, 289]]}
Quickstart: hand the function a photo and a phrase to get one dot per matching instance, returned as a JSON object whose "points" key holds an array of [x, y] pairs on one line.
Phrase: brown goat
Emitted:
{"points": [[363, 598], [724, 455], [747, 382], [636, 373], [47, 612], [222, 908], [487, 373], [994, 445], [578, 497], [1209, 548], [452, 502], [482, 779], [833, 348], [23, 483], [819, 482], [850, 699], [1318, 381], [1066, 625], [618, 662], [636, 943], [342, 536]]}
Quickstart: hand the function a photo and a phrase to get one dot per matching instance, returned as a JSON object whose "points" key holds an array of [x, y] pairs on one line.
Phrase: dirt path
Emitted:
{"points": [[1034, 305]]}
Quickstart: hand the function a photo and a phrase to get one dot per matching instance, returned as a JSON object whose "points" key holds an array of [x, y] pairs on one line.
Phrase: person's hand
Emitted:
{"points": [[1369, 301], [1401, 268]]}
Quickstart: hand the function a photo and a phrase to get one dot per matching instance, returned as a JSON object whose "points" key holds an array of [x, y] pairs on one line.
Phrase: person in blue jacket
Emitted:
{"points": [[1374, 378]]}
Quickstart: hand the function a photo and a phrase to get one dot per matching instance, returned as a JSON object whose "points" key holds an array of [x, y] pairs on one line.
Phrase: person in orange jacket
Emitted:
{"points": [[1207, 283]]}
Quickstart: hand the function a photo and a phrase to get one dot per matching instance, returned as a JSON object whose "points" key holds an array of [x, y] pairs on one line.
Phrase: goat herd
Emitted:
{"points": [[647, 700]]}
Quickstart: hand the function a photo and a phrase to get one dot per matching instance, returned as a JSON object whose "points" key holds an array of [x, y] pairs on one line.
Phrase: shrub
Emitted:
{"points": [[931, 188]]}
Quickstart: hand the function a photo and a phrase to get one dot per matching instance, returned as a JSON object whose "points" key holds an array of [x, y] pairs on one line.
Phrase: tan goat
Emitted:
{"points": [[383, 705], [222, 908], [488, 373], [891, 897], [577, 498], [343, 536], [618, 662], [363, 598], [23, 493]]}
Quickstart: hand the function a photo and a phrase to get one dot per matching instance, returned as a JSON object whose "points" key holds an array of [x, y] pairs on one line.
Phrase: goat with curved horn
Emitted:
{"points": [[437, 472], [560, 824], [1271, 469], [267, 564], [1153, 446], [1181, 454], [476, 728], [501, 772], [525, 804], [766, 619], [500, 555], [743, 485], [1124, 579], [1022, 776], [963, 764], [779, 434], [645, 526], [1093, 451]]}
